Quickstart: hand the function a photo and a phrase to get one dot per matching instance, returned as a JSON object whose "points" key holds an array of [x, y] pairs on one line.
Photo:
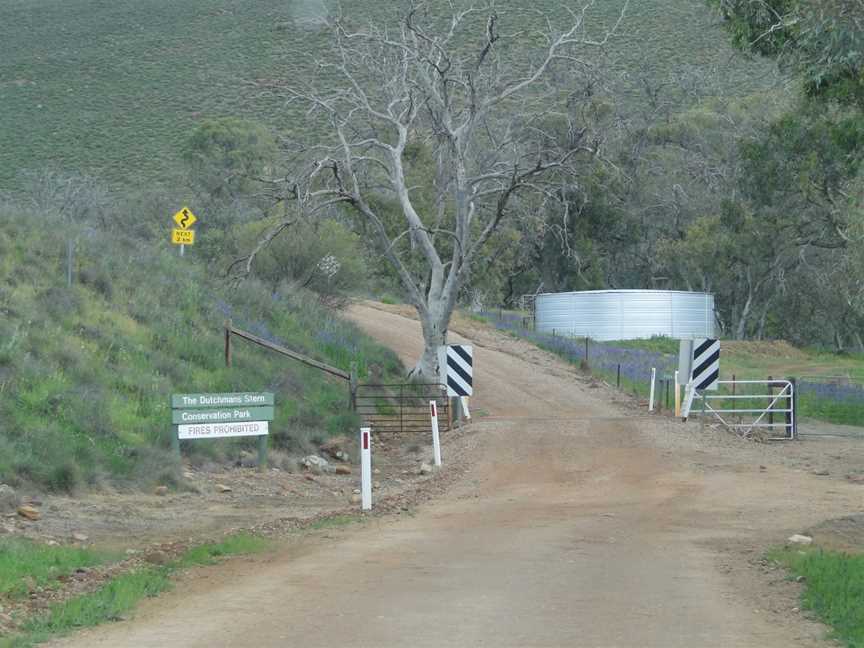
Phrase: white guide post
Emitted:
{"points": [[651, 394], [436, 437], [366, 468], [465, 409]]}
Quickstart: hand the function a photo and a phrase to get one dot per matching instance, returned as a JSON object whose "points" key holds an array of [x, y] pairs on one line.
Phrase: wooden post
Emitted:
{"points": [[586, 350], [456, 411], [353, 382], [228, 343], [175, 441], [618, 378], [262, 452]]}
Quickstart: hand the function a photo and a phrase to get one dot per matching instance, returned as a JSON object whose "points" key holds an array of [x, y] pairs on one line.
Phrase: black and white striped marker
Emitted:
{"points": [[460, 369], [706, 364]]}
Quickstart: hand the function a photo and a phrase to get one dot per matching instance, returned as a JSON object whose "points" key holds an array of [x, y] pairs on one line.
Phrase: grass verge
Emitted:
{"points": [[122, 593], [834, 589], [24, 564]]}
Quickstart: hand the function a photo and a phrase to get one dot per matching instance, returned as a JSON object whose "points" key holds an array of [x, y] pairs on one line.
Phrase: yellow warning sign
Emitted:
{"points": [[182, 236], [185, 218]]}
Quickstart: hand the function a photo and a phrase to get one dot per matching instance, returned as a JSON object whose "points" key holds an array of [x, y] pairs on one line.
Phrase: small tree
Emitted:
{"points": [[496, 118]]}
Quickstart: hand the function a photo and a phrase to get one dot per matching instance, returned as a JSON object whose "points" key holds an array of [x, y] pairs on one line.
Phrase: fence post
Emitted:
{"points": [[586, 351], [228, 343], [353, 382], [618, 377], [667, 393]]}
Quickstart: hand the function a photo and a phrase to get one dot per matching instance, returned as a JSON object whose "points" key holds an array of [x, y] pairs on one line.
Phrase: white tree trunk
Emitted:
{"points": [[434, 326]]}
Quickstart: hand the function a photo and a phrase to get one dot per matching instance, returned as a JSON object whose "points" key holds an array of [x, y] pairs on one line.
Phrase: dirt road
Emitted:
{"points": [[580, 524]]}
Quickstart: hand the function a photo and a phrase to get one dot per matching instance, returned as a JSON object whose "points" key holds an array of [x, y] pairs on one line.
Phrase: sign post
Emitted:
{"points": [[366, 468], [436, 437], [465, 409], [182, 235]]}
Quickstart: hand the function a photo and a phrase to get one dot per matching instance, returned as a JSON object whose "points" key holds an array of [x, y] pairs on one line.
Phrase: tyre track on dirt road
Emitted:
{"points": [[572, 528]]}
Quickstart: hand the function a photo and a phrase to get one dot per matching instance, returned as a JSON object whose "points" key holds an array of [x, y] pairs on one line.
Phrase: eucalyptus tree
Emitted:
{"points": [[485, 99]]}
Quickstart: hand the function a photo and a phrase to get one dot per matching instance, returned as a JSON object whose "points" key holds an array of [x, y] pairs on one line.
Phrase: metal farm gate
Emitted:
{"points": [[402, 407], [746, 406]]}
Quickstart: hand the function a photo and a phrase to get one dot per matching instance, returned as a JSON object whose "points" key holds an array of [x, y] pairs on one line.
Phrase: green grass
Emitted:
{"points": [[113, 89], [121, 594], [208, 554], [834, 589], [109, 603], [86, 373], [22, 559]]}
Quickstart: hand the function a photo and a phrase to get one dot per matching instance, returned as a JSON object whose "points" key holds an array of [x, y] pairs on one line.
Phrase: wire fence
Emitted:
{"points": [[834, 399], [627, 368]]}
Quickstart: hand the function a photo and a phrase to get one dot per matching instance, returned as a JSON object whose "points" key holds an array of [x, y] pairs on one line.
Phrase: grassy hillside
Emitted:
{"points": [[86, 373], [112, 88]]}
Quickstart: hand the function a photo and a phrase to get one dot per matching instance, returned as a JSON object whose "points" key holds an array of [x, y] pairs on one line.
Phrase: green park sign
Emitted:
{"points": [[225, 415], [243, 399]]}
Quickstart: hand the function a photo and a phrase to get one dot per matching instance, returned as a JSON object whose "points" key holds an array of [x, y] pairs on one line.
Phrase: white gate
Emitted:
{"points": [[742, 409]]}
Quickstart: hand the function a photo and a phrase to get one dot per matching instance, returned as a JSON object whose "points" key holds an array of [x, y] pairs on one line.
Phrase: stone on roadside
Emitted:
{"points": [[425, 469], [355, 499], [161, 491], [29, 512], [800, 539], [343, 470], [80, 537], [316, 463], [222, 488], [156, 557], [9, 500], [856, 479], [821, 473]]}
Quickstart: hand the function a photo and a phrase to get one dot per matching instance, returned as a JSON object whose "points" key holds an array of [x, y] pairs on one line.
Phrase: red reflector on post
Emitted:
{"points": [[434, 408], [365, 440]]}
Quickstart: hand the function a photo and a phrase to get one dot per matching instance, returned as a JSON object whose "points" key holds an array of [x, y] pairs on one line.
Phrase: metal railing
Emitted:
{"points": [[402, 407], [742, 401]]}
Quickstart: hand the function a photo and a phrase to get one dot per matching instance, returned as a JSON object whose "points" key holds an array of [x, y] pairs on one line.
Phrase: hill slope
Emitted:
{"points": [[86, 372], [114, 88]]}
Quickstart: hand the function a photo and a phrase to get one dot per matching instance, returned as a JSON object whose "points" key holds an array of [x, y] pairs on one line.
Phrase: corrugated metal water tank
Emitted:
{"points": [[625, 314]]}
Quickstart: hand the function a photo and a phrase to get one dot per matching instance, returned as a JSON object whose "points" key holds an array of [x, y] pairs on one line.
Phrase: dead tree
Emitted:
{"points": [[494, 114]]}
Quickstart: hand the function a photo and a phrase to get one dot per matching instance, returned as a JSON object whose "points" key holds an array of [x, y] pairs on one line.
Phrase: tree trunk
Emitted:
{"points": [[741, 331], [434, 320]]}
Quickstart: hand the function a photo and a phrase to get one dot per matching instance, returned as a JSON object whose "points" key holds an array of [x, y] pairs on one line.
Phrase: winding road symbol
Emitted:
{"points": [[185, 218]]}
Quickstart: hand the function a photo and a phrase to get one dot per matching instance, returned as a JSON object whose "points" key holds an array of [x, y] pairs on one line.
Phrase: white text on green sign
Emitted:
{"points": [[242, 399], [180, 417]]}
